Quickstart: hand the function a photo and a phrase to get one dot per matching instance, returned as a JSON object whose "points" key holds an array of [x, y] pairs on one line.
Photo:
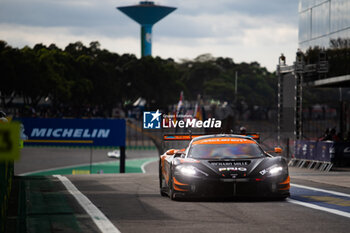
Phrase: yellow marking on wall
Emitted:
{"points": [[9, 141], [330, 200], [60, 141], [80, 172]]}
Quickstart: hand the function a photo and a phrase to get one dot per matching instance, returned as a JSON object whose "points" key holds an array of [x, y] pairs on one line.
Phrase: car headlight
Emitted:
{"points": [[275, 170], [272, 171], [188, 170]]}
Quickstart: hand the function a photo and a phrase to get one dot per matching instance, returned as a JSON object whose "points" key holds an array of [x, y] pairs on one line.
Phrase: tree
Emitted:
{"points": [[9, 58]]}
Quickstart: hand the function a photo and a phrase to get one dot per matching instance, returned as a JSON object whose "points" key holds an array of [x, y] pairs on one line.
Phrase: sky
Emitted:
{"points": [[244, 30]]}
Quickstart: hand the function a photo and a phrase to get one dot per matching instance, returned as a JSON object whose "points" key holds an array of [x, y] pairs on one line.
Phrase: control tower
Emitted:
{"points": [[146, 13]]}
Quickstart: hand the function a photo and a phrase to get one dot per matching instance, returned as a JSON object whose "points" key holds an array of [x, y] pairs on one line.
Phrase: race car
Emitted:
{"points": [[224, 165]]}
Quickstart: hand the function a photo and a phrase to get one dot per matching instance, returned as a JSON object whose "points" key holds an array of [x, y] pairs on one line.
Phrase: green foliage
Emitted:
{"points": [[338, 57], [215, 78], [82, 75]]}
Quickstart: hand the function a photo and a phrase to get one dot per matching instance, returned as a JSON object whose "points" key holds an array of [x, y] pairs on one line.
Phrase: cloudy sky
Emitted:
{"points": [[244, 30]]}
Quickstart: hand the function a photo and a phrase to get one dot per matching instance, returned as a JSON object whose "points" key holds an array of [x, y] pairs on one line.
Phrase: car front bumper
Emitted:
{"points": [[224, 187]]}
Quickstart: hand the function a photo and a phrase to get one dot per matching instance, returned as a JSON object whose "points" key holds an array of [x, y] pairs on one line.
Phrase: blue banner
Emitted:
{"points": [[323, 151], [304, 150], [301, 149], [340, 152], [312, 149], [298, 149], [73, 132]]}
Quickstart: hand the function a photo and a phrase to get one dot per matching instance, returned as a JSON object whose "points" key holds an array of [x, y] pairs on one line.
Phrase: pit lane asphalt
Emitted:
{"points": [[34, 159], [133, 204]]}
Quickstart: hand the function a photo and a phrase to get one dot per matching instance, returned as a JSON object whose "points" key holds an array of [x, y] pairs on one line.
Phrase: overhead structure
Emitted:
{"points": [[146, 13]]}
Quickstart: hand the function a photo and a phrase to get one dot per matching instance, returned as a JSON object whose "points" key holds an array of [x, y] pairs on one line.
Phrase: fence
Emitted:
{"points": [[136, 139], [303, 153], [317, 155]]}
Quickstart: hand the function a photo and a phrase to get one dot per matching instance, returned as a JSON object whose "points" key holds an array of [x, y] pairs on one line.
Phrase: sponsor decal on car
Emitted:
{"points": [[229, 163], [242, 169], [223, 141]]}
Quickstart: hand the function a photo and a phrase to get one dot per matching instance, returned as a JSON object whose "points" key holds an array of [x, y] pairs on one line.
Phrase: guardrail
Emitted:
{"points": [[313, 155], [321, 155]]}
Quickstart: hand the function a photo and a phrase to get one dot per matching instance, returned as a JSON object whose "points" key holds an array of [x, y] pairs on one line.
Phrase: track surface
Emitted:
{"points": [[36, 159], [133, 204]]}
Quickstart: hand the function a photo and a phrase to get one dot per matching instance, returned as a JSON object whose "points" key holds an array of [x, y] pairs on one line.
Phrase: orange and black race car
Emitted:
{"points": [[224, 165]]}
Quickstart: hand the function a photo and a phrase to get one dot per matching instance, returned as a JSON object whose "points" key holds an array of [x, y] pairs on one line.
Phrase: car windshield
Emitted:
{"points": [[225, 151]]}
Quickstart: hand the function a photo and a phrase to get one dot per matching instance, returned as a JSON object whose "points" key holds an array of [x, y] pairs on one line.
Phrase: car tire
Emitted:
{"points": [[162, 189], [161, 179], [172, 193], [281, 198]]}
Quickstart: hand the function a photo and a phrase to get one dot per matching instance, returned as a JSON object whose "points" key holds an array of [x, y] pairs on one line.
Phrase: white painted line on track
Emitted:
{"points": [[146, 163], [320, 190], [101, 221], [329, 210]]}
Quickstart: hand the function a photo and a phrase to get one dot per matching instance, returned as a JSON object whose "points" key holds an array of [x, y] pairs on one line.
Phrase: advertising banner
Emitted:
{"points": [[323, 151], [301, 149], [304, 149], [312, 149], [341, 152], [298, 149], [73, 132]]}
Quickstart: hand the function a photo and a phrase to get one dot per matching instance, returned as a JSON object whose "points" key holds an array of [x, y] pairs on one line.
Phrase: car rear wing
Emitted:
{"points": [[255, 136], [180, 137], [189, 137]]}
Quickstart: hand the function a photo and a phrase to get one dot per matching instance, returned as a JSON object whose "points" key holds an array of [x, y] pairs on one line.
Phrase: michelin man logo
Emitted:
{"points": [[149, 37], [151, 120]]}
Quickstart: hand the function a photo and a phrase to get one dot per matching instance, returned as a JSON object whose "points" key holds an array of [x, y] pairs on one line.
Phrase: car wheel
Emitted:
{"points": [[172, 193], [162, 188], [161, 182], [280, 198]]}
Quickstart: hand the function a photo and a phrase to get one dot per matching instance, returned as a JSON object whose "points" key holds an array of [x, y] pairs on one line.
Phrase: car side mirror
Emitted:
{"points": [[179, 155], [278, 150], [170, 152]]}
